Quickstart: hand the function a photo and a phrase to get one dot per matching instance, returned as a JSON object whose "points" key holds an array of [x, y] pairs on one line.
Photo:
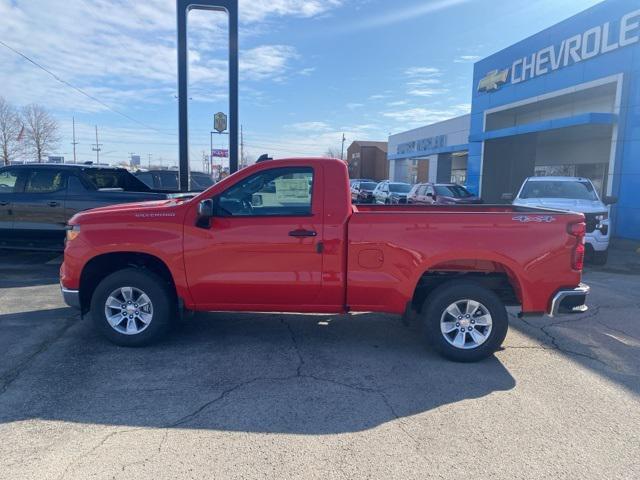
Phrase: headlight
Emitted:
{"points": [[602, 216], [72, 232]]}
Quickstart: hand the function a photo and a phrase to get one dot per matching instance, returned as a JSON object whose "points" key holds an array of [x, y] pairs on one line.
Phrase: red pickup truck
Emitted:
{"points": [[283, 236]]}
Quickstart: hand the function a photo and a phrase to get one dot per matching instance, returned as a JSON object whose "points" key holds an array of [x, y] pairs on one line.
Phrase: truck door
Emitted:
{"points": [[38, 210], [263, 249]]}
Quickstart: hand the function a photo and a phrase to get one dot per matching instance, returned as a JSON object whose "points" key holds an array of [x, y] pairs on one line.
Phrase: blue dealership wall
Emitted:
{"points": [[624, 60]]}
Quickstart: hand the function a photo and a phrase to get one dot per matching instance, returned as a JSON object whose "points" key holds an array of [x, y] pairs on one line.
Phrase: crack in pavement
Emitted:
{"points": [[148, 458], [11, 376], [225, 393], [296, 347], [554, 342]]}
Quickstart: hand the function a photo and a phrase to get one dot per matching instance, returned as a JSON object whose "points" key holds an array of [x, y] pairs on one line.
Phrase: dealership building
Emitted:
{"points": [[565, 101]]}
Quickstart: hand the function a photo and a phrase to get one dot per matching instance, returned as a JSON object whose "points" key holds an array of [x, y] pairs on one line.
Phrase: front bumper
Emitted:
{"points": [[570, 301], [71, 297]]}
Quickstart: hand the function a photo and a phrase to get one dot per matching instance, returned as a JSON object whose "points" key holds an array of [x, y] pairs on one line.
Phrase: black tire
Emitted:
{"points": [[162, 299], [455, 291], [600, 258]]}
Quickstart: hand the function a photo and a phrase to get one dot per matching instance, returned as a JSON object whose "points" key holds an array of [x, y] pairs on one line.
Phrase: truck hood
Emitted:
{"points": [[138, 210], [580, 206]]}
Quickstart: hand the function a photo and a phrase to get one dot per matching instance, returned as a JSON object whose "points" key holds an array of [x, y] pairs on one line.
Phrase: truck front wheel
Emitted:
{"points": [[465, 321], [132, 307]]}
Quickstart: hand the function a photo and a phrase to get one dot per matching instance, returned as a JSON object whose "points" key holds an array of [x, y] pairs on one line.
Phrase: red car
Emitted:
{"points": [[441, 194], [283, 236]]}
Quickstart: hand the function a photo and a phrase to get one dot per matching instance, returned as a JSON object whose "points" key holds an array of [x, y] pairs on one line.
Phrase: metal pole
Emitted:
{"points": [[183, 8]]}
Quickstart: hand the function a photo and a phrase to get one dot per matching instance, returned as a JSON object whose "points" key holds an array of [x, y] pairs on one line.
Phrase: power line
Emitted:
{"points": [[64, 82]]}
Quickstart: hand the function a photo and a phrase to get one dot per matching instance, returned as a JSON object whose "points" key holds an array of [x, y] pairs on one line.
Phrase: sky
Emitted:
{"points": [[309, 70]]}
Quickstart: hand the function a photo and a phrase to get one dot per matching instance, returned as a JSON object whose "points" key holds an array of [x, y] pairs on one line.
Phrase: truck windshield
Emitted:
{"points": [[575, 190], [455, 191], [399, 187], [114, 178]]}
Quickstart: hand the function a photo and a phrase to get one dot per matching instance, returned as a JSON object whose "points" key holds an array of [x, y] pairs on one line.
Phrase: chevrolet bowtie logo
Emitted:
{"points": [[493, 80]]}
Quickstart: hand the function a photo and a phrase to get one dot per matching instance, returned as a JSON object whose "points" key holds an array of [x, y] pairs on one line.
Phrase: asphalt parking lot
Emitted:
{"points": [[314, 396]]}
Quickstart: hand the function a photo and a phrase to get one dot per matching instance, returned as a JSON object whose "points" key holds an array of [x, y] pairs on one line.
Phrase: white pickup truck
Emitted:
{"points": [[575, 194]]}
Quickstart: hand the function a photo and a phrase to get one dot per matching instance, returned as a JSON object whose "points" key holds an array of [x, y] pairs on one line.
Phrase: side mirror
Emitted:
{"points": [[205, 212], [609, 200], [430, 194]]}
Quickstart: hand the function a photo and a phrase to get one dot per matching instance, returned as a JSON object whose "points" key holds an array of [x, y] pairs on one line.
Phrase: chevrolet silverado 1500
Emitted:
{"points": [[283, 236]]}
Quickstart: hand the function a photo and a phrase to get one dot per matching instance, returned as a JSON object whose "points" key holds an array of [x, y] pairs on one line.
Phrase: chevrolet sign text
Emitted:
{"points": [[593, 42]]}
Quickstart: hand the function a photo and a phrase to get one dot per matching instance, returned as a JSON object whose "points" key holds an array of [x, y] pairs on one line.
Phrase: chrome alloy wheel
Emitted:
{"points": [[128, 310], [466, 324]]}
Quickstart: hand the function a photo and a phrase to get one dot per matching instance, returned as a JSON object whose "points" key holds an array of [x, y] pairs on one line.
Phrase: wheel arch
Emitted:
{"points": [[494, 275], [100, 266]]}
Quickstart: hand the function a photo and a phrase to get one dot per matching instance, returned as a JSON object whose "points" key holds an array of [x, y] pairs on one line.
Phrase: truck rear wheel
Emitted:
{"points": [[132, 307], [464, 321]]}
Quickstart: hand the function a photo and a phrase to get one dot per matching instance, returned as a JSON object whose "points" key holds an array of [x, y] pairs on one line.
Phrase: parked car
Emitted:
{"points": [[36, 201], [362, 191], [441, 194], [391, 193], [354, 180], [261, 240], [167, 180], [574, 194]]}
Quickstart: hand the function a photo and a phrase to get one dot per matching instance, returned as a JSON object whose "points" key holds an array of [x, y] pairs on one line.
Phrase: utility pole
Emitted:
{"points": [[204, 161], [242, 163], [96, 147], [74, 143], [149, 160], [342, 150]]}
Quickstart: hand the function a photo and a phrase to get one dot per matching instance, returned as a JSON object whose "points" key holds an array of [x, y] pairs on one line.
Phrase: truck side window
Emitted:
{"points": [[45, 181], [8, 180], [277, 192]]}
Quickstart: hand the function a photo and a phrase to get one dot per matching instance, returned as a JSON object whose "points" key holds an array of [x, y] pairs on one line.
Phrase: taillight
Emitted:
{"points": [[578, 230], [577, 262]]}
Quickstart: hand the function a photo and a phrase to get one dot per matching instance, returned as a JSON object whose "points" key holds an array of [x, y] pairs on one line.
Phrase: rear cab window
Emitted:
{"points": [[146, 178]]}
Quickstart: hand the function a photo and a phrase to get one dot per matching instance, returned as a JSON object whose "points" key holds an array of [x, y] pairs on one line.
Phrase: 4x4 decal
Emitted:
{"points": [[534, 218]]}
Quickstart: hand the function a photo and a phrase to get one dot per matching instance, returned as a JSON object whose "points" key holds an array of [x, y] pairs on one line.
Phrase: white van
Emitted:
{"points": [[577, 195]]}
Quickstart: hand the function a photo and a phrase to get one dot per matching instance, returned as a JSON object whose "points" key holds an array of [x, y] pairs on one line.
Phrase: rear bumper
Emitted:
{"points": [[570, 301], [71, 297]]}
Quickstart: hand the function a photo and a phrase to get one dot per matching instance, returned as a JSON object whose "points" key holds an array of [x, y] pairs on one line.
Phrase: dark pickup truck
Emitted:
{"points": [[36, 201]]}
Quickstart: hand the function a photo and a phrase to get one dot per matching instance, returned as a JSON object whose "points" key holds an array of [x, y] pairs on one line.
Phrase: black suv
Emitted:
{"points": [[37, 200]]}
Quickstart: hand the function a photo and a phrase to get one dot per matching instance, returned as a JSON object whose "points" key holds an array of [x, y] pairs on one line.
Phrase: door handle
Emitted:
{"points": [[53, 203], [302, 233]]}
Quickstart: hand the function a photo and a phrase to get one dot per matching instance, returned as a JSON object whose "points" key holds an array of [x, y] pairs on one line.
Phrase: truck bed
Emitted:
{"points": [[391, 246]]}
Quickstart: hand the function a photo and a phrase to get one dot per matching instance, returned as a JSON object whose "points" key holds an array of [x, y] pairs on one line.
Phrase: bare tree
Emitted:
{"points": [[41, 130], [9, 131], [332, 152]]}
